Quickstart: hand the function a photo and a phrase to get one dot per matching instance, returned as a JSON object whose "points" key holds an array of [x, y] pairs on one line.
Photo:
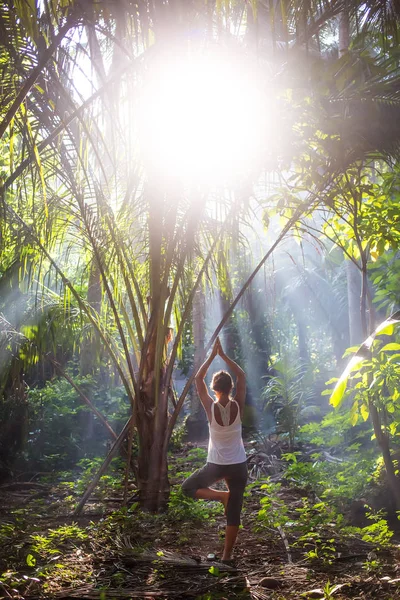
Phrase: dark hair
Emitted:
{"points": [[222, 382]]}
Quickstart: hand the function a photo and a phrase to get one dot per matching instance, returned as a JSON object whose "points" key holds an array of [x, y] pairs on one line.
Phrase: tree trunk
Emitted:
{"points": [[231, 334], [363, 298], [151, 422], [302, 335], [197, 421], [383, 441], [89, 350], [353, 298], [91, 341], [152, 405], [344, 31]]}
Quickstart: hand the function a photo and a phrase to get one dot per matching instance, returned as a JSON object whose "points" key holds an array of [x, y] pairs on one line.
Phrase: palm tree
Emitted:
{"points": [[149, 247]]}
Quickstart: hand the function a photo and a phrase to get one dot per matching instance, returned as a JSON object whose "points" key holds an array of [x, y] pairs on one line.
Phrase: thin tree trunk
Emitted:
{"points": [[383, 441], [352, 273], [344, 31], [302, 344], [353, 298], [363, 299], [197, 421], [89, 346]]}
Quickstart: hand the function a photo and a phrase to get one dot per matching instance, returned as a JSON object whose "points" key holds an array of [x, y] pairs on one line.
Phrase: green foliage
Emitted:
{"points": [[59, 421], [183, 509], [342, 480], [46, 546], [316, 528], [30, 560], [6, 532], [178, 436], [273, 511], [301, 473], [90, 466], [313, 523], [316, 547], [374, 376], [378, 533], [13, 581], [197, 456], [385, 275], [307, 524], [286, 394], [336, 431], [373, 566]]}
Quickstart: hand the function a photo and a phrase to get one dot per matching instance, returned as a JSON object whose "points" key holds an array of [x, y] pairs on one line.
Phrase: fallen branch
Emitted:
{"points": [[20, 485]]}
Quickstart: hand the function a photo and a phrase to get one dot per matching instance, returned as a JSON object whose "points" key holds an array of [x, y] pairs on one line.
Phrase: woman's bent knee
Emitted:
{"points": [[188, 489]]}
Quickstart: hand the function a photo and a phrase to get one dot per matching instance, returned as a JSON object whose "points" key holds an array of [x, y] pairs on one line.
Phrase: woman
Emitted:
{"points": [[226, 455]]}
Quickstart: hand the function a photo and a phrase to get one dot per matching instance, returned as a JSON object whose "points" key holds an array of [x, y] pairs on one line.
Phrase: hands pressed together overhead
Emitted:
{"points": [[217, 348]]}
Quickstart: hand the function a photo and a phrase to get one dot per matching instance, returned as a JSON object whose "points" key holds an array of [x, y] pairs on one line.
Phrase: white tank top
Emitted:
{"points": [[225, 446]]}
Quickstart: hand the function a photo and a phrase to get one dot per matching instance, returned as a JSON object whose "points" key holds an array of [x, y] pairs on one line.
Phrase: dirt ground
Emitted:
{"points": [[107, 553]]}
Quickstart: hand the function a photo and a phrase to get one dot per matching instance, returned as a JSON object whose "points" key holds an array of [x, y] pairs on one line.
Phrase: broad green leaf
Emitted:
{"points": [[30, 560], [387, 330], [340, 388], [326, 393], [350, 350], [354, 414], [391, 346], [338, 393], [364, 411]]}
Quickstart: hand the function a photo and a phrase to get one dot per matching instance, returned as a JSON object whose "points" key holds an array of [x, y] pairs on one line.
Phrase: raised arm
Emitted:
{"points": [[202, 389], [240, 394]]}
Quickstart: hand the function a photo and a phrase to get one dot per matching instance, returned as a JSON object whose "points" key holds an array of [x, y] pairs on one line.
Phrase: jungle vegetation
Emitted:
{"points": [[171, 171]]}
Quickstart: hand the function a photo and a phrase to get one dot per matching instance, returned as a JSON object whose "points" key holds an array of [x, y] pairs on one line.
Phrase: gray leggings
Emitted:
{"points": [[235, 477]]}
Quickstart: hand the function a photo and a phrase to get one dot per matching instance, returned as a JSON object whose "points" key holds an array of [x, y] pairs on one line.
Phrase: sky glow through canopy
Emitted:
{"points": [[201, 118]]}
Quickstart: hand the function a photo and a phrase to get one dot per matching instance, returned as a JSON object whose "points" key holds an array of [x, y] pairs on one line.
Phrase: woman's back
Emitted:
{"points": [[225, 445]]}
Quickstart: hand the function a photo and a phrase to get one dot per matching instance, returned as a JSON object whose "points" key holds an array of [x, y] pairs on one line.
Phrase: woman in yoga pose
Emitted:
{"points": [[226, 455]]}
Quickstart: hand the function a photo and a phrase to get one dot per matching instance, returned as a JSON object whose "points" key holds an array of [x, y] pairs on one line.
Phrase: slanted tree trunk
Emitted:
{"points": [[231, 334]]}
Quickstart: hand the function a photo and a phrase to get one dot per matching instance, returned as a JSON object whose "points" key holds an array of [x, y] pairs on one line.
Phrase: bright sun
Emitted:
{"points": [[201, 118]]}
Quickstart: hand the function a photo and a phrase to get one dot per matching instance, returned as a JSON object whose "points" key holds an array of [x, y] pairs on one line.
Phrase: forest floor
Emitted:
{"points": [[291, 546]]}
